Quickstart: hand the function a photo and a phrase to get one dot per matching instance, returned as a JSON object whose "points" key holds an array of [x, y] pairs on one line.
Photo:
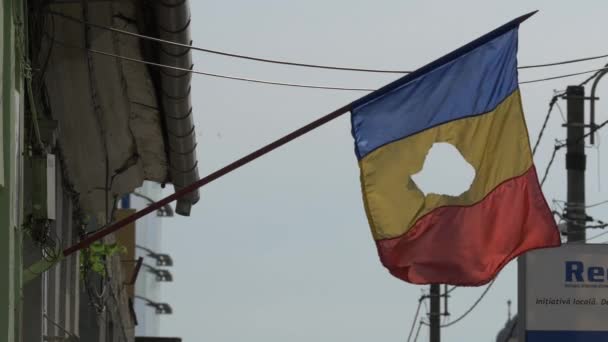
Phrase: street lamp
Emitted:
{"points": [[161, 274], [162, 259], [160, 308]]}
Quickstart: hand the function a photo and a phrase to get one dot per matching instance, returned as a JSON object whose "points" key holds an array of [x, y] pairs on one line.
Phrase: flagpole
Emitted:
{"points": [[287, 138], [206, 180]]}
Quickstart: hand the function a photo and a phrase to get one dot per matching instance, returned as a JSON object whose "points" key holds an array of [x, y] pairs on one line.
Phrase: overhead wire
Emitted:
{"points": [[584, 59], [426, 307], [265, 60], [466, 313], [227, 54], [596, 204], [563, 76], [287, 84], [561, 112], [601, 225], [549, 166], [418, 331], [297, 85], [591, 238], [596, 71], [469, 310], [576, 205], [552, 103], [252, 80], [575, 141], [299, 64], [559, 146], [210, 74], [592, 76], [409, 336]]}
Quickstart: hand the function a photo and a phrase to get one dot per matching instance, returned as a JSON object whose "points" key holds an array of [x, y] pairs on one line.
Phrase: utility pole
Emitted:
{"points": [[576, 164], [435, 314]]}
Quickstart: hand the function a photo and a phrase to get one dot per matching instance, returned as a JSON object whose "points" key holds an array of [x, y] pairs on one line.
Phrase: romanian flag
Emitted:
{"points": [[469, 98]]}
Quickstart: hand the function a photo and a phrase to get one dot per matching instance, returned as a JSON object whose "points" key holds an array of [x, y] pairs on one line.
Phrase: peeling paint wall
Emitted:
{"points": [[110, 129]]}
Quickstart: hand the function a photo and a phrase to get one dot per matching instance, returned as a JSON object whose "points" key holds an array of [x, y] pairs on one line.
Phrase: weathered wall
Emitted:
{"points": [[110, 129], [11, 102]]}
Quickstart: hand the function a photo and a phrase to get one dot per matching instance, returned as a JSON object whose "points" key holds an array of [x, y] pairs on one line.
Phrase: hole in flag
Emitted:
{"points": [[445, 172]]}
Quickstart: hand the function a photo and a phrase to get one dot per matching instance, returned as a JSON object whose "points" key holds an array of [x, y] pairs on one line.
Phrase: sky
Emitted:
{"points": [[280, 250]]}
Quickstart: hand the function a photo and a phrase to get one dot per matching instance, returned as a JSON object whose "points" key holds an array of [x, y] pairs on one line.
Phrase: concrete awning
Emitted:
{"points": [[119, 123]]}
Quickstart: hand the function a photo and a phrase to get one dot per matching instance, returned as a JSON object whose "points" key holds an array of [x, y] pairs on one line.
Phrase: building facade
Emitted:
{"points": [[87, 124], [148, 236]]}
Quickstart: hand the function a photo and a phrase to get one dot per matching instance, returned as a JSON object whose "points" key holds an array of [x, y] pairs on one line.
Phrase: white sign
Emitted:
{"points": [[567, 289]]}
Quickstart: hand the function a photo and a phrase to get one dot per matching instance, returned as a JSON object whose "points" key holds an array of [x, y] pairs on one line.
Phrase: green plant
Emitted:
{"points": [[94, 257]]}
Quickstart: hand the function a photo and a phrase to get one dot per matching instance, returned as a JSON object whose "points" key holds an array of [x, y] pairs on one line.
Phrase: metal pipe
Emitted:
{"points": [[174, 25], [592, 106]]}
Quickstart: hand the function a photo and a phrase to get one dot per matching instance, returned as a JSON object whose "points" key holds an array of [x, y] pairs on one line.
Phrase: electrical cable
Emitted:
{"points": [[575, 205], [212, 74], [232, 77], [592, 77], [549, 166], [252, 80], [227, 54], [563, 76], [307, 65], [472, 306], [418, 331], [569, 143], [591, 131], [552, 103], [561, 112], [596, 204], [409, 336], [558, 205], [584, 59], [597, 226], [542, 130]]}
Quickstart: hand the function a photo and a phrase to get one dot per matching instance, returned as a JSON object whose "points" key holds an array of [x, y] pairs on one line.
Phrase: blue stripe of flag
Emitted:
{"points": [[467, 85]]}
